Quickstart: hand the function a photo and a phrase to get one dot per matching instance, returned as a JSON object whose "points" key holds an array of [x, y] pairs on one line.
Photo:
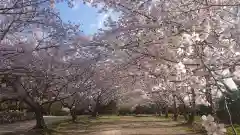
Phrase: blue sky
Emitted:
{"points": [[87, 16], [80, 13]]}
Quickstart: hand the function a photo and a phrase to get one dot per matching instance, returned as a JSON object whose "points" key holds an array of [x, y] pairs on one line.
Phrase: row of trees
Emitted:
{"points": [[176, 53], [44, 60], [187, 50]]}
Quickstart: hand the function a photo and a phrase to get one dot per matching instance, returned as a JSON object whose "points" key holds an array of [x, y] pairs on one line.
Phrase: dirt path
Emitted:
{"points": [[124, 126], [27, 125]]}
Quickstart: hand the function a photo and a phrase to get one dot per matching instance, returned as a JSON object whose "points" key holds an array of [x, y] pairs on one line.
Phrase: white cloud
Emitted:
{"points": [[103, 17], [101, 20]]}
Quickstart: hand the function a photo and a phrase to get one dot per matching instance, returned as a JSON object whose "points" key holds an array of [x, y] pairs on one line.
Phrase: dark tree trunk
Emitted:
{"points": [[73, 114], [175, 116], [208, 94], [95, 111], [166, 112], [38, 110], [160, 113], [49, 108], [158, 109], [185, 116], [40, 123], [191, 117], [185, 112], [193, 109]]}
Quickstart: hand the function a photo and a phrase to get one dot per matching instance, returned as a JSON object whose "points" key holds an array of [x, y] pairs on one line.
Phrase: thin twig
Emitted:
{"points": [[230, 116]]}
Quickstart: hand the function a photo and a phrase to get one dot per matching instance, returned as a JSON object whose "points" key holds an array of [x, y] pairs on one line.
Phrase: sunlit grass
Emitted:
{"points": [[88, 124], [230, 131]]}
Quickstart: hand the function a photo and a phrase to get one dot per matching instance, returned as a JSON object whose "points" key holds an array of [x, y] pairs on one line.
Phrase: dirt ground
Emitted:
{"points": [[127, 125]]}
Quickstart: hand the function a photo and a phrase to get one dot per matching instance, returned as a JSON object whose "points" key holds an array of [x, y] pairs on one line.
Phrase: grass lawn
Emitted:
{"points": [[123, 125], [230, 131]]}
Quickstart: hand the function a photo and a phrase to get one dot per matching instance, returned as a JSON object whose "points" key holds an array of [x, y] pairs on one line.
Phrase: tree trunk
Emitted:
{"points": [[175, 116], [193, 109], [185, 112], [166, 112], [49, 108], [160, 113], [185, 116], [73, 114], [94, 114], [18, 87], [191, 117], [208, 94], [40, 123], [38, 110], [95, 111]]}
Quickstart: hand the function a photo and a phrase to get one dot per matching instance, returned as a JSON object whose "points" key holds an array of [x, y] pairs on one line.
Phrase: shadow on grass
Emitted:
{"points": [[47, 131], [32, 132]]}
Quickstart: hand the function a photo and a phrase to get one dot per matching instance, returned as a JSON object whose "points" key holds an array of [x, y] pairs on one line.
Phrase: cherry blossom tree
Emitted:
{"points": [[81, 87], [181, 52], [198, 37], [35, 55]]}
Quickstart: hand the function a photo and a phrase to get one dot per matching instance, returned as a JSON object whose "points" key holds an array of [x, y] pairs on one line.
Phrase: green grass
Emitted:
{"points": [[146, 124], [86, 122], [230, 131], [197, 125], [138, 123], [198, 119]]}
